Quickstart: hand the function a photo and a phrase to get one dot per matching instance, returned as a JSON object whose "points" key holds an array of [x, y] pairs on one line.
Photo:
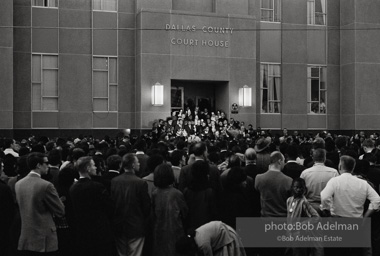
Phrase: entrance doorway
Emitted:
{"points": [[190, 94]]}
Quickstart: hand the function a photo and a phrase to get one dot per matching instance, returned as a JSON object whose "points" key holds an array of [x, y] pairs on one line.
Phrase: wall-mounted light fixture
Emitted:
{"points": [[157, 94], [245, 96]]}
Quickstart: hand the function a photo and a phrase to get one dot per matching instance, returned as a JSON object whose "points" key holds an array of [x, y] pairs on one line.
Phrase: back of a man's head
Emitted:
{"points": [[276, 156], [318, 143], [54, 157], [114, 162], [292, 151], [199, 149], [347, 163], [368, 143], [176, 157], [77, 153], [128, 161], [34, 159], [8, 143], [319, 155], [250, 155], [82, 163]]}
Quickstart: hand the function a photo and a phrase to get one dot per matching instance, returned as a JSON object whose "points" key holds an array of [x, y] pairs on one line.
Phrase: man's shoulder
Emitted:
{"points": [[186, 168], [32, 181]]}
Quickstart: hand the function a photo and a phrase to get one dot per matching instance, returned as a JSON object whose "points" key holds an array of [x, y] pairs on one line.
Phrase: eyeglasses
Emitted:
{"points": [[46, 162]]}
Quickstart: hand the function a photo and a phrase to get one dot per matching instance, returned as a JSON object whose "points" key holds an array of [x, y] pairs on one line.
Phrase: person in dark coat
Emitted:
{"points": [[292, 168], [132, 207], [7, 207], [185, 178], [113, 170], [237, 198], [200, 197], [92, 210], [169, 210]]}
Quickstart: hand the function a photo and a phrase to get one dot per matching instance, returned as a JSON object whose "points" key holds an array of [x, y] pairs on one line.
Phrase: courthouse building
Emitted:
{"points": [[81, 65]]}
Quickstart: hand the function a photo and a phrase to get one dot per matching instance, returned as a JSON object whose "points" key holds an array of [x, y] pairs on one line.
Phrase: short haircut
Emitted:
{"points": [[347, 163], [163, 176], [113, 162], [199, 148], [292, 151], [8, 143], [275, 156], [34, 159], [318, 143], [319, 155], [77, 153], [250, 154], [176, 157], [50, 145], [234, 160], [54, 157], [128, 161], [368, 143], [82, 163]]}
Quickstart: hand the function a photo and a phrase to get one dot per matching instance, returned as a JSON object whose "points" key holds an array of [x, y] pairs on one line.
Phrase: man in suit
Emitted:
{"points": [[132, 207], [200, 153], [38, 201], [292, 168], [251, 171], [113, 165], [7, 212], [140, 147], [250, 163], [92, 210]]}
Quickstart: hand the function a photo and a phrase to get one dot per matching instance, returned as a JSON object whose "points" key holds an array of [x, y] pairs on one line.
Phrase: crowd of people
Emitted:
{"points": [[178, 189]]}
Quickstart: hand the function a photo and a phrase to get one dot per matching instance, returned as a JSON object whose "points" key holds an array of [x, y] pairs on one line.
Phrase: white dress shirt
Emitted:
{"points": [[316, 178], [345, 195]]}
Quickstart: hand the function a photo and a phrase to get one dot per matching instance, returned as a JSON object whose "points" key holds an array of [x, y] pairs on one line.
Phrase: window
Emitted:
{"points": [[270, 83], [316, 90], [316, 12], [44, 82], [270, 10], [104, 83], [45, 3], [105, 5]]}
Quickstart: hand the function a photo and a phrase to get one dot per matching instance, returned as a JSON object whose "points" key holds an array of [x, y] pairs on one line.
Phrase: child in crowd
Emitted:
{"points": [[299, 207]]}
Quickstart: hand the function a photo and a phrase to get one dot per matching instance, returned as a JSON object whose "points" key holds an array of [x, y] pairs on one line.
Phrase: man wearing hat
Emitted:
{"points": [[262, 154]]}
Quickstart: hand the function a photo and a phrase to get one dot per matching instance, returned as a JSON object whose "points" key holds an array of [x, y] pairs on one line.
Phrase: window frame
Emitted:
{"points": [[41, 83], [109, 84], [102, 4], [273, 11], [262, 88], [320, 89], [324, 15], [46, 6]]}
